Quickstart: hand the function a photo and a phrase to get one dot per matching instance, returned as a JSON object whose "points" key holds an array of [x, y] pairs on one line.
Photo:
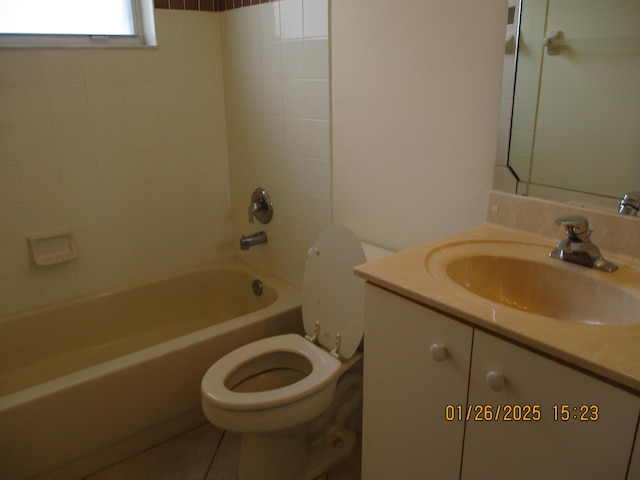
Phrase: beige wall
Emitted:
{"points": [[125, 148], [416, 94]]}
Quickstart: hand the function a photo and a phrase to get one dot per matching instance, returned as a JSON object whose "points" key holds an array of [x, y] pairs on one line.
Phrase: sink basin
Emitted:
{"points": [[521, 276]]}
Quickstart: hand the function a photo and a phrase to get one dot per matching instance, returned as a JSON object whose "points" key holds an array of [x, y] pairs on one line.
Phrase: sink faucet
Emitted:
{"points": [[577, 247]]}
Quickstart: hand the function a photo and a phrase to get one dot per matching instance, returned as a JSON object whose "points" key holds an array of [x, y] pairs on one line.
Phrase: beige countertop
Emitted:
{"points": [[611, 351]]}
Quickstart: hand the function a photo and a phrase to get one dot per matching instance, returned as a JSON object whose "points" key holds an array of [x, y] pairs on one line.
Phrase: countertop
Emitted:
{"points": [[609, 351]]}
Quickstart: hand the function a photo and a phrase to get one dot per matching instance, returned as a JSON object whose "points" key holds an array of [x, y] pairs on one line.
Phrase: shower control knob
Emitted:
{"points": [[438, 352], [495, 381]]}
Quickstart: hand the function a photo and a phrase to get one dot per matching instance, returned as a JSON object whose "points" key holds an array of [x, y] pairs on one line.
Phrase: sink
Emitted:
{"points": [[521, 276]]}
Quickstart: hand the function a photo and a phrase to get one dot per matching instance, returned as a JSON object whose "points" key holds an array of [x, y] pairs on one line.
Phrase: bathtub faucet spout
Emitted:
{"points": [[246, 242]]}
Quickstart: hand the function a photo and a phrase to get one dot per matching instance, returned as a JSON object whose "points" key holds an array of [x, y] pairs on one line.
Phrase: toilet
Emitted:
{"points": [[291, 396]]}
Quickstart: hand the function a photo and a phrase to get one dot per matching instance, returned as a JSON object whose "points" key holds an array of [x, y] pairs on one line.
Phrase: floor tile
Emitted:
{"points": [[206, 453], [187, 457], [225, 463]]}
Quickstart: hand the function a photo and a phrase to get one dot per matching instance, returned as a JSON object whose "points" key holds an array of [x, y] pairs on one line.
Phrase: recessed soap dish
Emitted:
{"points": [[52, 249]]}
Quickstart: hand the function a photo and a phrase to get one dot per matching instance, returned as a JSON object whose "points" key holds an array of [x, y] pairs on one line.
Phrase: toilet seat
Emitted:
{"points": [[332, 320], [332, 296], [324, 370]]}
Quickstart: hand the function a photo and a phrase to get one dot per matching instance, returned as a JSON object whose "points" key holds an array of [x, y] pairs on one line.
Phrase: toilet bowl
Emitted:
{"points": [[291, 396]]}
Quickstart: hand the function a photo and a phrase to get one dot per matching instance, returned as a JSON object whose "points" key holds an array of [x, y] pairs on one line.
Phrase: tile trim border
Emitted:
{"points": [[207, 5]]}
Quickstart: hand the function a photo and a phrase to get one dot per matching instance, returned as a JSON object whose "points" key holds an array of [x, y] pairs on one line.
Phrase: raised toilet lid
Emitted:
{"points": [[332, 295]]}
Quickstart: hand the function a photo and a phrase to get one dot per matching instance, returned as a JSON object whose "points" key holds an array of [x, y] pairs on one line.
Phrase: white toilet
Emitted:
{"points": [[291, 396]]}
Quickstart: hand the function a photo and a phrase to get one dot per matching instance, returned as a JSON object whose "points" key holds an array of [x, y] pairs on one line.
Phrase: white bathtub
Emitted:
{"points": [[86, 383]]}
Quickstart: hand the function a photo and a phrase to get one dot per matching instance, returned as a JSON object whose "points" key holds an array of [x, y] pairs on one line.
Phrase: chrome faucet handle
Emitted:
{"points": [[260, 206], [253, 209], [577, 227]]}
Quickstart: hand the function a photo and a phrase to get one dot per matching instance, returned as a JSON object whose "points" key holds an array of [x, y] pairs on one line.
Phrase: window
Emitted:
{"points": [[76, 22]]}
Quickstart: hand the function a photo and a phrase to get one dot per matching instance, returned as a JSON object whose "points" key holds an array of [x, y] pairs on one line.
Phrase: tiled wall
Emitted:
{"points": [[125, 148], [276, 71]]}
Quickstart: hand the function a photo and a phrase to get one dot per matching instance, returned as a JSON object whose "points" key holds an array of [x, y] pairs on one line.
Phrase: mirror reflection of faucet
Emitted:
{"points": [[577, 247], [630, 204]]}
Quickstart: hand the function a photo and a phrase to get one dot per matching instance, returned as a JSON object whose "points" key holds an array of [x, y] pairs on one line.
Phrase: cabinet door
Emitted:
{"points": [[585, 428], [406, 390]]}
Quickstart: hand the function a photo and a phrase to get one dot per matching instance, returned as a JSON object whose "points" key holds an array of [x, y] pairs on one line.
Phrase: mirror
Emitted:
{"points": [[573, 106]]}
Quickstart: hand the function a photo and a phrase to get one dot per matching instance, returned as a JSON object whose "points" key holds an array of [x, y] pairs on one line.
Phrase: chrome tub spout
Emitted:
{"points": [[246, 242]]}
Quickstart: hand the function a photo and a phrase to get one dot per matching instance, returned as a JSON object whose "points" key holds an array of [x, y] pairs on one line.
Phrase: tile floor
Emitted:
{"points": [[206, 453]]}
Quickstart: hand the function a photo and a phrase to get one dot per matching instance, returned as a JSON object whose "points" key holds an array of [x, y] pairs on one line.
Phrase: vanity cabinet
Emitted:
{"points": [[562, 424], [416, 363], [488, 409]]}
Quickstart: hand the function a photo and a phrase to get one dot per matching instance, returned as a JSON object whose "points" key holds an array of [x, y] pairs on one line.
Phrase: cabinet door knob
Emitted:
{"points": [[495, 380], [438, 352]]}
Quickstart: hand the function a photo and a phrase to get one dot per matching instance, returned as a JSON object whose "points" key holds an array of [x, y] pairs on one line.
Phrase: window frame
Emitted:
{"points": [[144, 36]]}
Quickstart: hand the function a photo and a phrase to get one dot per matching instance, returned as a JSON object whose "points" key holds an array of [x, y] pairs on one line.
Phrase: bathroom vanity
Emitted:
{"points": [[463, 379]]}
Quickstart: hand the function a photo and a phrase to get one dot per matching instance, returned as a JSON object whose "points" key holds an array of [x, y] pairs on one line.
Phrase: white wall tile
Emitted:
{"points": [[13, 219], [79, 176], [317, 139], [316, 99], [40, 181], [291, 19], [46, 216], [109, 136], [34, 143], [272, 95], [316, 18], [316, 59], [63, 67], [143, 133], [114, 171], [269, 21], [72, 140], [27, 105], [108, 143], [136, 65], [4, 117], [22, 67], [10, 191], [7, 153], [140, 98], [68, 103], [102, 65], [294, 136], [292, 53], [105, 100], [271, 60], [58, 283], [294, 98], [318, 177]]}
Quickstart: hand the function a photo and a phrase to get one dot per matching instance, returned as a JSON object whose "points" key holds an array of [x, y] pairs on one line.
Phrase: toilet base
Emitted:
{"points": [[265, 457], [326, 454]]}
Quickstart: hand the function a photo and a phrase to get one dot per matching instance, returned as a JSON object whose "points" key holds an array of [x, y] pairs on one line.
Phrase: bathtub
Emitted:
{"points": [[89, 382]]}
